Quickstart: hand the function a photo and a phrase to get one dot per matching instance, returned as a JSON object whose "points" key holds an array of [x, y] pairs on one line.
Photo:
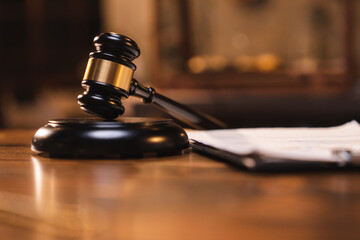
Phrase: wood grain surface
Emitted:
{"points": [[177, 197]]}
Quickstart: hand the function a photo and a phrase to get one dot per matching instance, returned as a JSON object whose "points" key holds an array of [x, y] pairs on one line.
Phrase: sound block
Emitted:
{"points": [[96, 138]]}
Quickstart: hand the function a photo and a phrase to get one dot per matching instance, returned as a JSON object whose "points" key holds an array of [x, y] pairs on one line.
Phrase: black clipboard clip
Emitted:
{"points": [[259, 162]]}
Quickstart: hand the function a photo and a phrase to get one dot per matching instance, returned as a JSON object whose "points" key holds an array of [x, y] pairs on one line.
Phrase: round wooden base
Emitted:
{"points": [[96, 138]]}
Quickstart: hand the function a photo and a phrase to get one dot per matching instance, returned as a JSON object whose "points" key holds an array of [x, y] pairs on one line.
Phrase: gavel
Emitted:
{"points": [[108, 79]]}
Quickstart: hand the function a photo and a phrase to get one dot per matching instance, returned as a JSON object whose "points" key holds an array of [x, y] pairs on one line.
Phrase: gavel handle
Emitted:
{"points": [[179, 111]]}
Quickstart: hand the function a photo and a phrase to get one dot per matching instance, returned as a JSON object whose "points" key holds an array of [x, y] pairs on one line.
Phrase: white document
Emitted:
{"points": [[304, 144]]}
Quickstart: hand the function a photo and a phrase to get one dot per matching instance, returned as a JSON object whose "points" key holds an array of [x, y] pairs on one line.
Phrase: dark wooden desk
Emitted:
{"points": [[182, 197]]}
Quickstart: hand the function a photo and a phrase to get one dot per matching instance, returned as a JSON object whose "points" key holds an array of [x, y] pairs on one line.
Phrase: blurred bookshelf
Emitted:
{"points": [[263, 46]]}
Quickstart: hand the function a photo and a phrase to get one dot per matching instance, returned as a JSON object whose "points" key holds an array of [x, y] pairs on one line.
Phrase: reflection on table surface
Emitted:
{"points": [[178, 197]]}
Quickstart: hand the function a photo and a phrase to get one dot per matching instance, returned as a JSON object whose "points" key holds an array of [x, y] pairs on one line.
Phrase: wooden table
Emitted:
{"points": [[178, 197]]}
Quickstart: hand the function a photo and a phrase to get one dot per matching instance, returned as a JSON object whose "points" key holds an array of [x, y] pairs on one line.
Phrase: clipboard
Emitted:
{"points": [[278, 149], [259, 162]]}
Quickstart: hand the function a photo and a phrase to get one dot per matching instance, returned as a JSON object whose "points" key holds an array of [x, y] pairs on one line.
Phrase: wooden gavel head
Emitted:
{"points": [[108, 75]]}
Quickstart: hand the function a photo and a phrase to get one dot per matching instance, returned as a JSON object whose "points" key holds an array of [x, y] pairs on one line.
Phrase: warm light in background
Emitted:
{"points": [[231, 47]]}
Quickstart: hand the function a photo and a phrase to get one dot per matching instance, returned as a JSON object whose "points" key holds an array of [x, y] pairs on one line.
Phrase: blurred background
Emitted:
{"points": [[250, 63]]}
